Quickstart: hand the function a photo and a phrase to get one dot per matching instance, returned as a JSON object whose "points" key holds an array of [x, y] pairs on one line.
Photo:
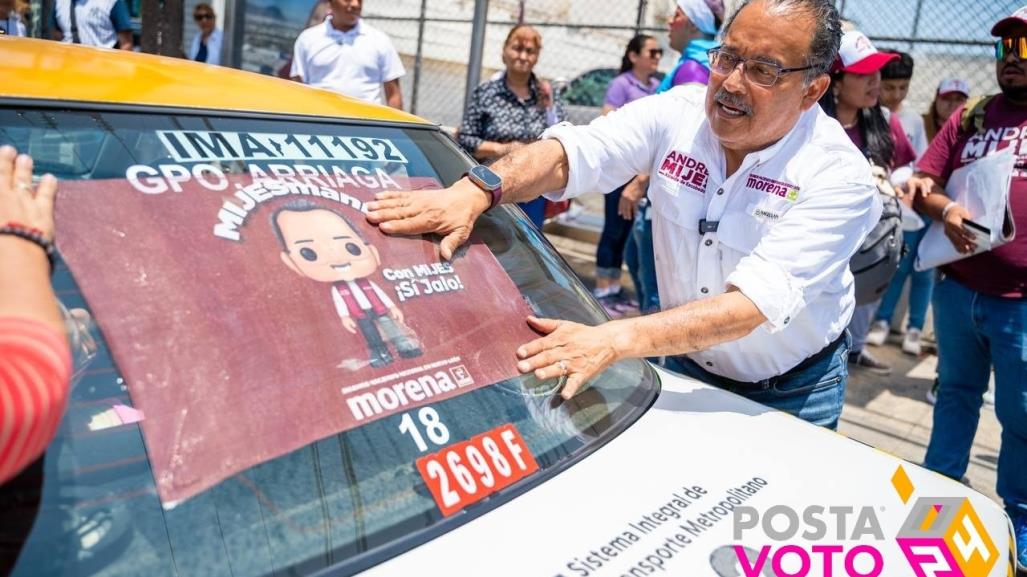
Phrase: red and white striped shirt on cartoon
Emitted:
{"points": [[355, 298], [35, 365]]}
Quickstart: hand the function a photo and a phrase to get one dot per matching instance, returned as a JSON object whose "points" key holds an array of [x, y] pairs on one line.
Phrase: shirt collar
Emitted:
{"points": [[532, 88], [647, 87], [332, 31]]}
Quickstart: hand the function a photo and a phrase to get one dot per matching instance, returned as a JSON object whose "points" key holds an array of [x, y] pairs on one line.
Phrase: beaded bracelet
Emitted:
{"points": [[33, 235]]}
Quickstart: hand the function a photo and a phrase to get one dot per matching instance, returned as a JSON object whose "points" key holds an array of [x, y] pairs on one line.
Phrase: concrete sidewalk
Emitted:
{"points": [[890, 413]]}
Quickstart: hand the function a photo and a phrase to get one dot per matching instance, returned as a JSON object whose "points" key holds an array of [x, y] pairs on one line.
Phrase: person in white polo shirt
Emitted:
{"points": [[759, 199], [348, 55]]}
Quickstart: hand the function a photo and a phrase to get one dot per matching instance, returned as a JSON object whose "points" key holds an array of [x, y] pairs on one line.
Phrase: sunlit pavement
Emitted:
{"points": [[890, 413]]}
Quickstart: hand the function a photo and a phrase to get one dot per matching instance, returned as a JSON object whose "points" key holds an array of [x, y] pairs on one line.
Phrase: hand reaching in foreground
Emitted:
{"points": [[449, 213], [578, 352]]}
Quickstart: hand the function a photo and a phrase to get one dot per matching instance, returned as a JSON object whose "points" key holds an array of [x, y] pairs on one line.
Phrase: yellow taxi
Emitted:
{"points": [[270, 386]]}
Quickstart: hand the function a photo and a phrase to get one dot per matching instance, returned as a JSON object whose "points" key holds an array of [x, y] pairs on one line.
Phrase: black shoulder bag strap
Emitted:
{"points": [[74, 23]]}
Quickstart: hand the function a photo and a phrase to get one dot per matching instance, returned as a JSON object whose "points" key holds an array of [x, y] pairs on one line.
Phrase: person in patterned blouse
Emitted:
{"points": [[510, 111]]}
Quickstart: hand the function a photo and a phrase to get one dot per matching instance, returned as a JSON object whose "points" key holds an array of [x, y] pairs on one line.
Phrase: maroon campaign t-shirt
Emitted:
{"points": [[903, 152], [1003, 271]]}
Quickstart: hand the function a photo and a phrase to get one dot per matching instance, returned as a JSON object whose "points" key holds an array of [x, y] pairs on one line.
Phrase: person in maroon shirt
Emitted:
{"points": [[854, 101], [980, 306]]}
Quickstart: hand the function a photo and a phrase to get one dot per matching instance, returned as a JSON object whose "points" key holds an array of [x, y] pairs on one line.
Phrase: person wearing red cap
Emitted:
{"points": [[980, 306], [853, 100]]}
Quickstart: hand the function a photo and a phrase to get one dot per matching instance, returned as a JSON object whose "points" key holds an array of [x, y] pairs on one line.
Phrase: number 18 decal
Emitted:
{"points": [[467, 472]]}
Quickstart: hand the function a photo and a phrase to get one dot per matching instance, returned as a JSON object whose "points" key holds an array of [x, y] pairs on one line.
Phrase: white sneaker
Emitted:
{"points": [[911, 343], [989, 398], [878, 333]]}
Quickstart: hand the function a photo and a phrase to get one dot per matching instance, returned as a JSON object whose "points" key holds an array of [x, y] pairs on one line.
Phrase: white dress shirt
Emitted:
{"points": [[789, 219], [213, 46], [356, 63]]}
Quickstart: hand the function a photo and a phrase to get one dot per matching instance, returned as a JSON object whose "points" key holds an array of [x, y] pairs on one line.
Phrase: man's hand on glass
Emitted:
{"points": [[449, 213], [575, 351]]}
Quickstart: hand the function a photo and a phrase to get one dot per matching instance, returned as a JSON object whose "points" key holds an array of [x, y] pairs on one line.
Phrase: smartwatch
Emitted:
{"points": [[484, 178]]}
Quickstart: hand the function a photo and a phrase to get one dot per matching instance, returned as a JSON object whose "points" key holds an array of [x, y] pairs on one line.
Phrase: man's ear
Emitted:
{"points": [[288, 262], [815, 91]]}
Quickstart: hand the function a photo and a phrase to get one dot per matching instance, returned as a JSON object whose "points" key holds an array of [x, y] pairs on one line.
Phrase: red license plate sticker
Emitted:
{"points": [[467, 472]]}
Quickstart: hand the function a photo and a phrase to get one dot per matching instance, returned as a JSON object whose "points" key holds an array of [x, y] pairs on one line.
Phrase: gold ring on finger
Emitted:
{"points": [[24, 186]]}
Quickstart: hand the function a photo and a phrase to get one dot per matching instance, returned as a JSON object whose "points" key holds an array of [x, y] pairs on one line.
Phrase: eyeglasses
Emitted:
{"points": [[203, 16], [756, 71], [656, 53], [1014, 45]]}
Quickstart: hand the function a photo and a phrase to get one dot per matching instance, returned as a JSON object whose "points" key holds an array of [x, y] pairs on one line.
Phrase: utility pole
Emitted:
{"points": [[162, 27], [481, 13]]}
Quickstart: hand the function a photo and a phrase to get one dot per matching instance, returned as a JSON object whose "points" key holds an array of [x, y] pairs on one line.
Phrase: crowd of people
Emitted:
{"points": [[749, 291]]}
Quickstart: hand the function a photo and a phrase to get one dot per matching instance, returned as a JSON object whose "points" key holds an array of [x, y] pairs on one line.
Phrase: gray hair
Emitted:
{"points": [[827, 36]]}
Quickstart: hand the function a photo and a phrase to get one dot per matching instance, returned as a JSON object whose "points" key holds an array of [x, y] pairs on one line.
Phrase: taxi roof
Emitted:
{"points": [[54, 71]]}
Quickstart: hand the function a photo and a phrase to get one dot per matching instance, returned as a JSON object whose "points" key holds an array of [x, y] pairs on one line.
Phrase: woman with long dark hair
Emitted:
{"points": [[853, 100], [636, 79], [952, 93]]}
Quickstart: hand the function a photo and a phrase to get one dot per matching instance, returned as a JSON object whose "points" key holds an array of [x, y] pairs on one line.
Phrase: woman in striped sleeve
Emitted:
{"points": [[35, 362]]}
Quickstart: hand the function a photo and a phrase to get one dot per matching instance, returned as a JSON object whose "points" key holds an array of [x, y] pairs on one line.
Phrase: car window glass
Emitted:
{"points": [[352, 499]]}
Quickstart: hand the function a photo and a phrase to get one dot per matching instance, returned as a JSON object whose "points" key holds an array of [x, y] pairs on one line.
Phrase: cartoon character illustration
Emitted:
{"points": [[322, 245]]}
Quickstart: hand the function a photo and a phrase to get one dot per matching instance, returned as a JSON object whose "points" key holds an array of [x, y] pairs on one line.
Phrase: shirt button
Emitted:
{"points": [[709, 364], [704, 290], [788, 320], [720, 191], [709, 242]]}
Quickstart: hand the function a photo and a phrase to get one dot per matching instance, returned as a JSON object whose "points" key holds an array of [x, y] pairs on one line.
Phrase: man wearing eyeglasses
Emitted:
{"points": [[980, 306], [206, 46], [760, 199]]}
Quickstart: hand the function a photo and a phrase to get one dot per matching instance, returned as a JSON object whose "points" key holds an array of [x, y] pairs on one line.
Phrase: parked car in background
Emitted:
{"points": [[240, 419]]}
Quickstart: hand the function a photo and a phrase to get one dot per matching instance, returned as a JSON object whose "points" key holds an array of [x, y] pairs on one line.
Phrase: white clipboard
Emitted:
{"points": [[982, 187]]}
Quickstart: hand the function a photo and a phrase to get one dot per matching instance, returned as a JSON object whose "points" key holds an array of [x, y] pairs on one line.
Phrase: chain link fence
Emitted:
{"points": [[946, 38], [583, 41]]}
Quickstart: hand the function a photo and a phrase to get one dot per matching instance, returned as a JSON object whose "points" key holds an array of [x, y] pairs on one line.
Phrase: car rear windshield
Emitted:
{"points": [[120, 490]]}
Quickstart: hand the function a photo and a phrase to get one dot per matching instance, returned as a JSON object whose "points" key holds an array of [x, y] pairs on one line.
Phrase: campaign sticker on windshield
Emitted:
{"points": [[253, 314], [467, 472]]}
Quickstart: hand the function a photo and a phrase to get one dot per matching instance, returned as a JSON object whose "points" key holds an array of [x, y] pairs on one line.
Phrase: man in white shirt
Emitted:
{"points": [[104, 23], [759, 201], [348, 55]]}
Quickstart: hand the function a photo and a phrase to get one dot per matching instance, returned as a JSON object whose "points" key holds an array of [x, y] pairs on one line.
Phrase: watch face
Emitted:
{"points": [[490, 179]]}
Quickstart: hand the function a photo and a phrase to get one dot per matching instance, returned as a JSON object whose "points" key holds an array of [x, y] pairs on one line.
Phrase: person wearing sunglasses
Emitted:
{"points": [[759, 202], [637, 79], [206, 45], [980, 305]]}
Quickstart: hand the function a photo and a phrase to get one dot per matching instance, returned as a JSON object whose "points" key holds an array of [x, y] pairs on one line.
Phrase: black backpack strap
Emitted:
{"points": [[74, 23]]}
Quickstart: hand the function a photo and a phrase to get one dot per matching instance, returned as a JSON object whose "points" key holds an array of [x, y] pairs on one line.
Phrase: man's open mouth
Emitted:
{"points": [[730, 111]]}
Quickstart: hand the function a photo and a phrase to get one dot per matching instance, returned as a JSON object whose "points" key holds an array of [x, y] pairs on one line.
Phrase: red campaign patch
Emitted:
{"points": [[467, 472]]}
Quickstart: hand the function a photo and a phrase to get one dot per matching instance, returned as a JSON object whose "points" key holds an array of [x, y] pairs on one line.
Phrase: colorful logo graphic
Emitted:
{"points": [[943, 537]]}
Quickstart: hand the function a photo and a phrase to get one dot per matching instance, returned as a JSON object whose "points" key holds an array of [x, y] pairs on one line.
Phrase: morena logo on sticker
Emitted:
{"points": [[685, 170], [785, 190], [941, 537]]}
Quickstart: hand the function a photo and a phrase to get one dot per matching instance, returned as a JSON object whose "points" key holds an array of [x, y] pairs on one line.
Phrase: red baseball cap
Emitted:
{"points": [[857, 55], [1018, 18]]}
